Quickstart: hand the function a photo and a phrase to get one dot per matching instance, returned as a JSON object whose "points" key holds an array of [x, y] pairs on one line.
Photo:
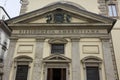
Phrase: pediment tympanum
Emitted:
{"points": [[56, 58], [60, 16]]}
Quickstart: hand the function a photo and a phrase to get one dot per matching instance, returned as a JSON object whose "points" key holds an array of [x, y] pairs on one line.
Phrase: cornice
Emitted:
{"points": [[5, 28], [107, 26], [69, 24]]}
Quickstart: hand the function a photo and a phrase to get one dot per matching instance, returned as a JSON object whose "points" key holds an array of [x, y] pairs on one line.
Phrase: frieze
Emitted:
{"points": [[59, 32]]}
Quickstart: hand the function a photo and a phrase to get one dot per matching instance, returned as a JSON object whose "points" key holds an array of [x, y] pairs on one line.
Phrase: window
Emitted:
{"points": [[57, 45], [92, 73], [57, 48], [22, 67], [112, 10], [92, 68], [22, 72]]}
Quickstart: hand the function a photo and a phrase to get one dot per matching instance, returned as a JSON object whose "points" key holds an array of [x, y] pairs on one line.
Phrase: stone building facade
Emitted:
{"points": [[62, 40], [5, 33]]}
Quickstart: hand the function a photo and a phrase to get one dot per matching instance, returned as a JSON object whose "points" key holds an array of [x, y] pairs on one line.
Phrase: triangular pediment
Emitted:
{"points": [[77, 15], [56, 58], [62, 13]]}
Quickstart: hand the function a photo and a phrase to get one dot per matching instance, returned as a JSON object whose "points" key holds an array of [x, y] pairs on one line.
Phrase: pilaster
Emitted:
{"points": [[38, 59], [109, 68], [9, 58], [75, 59]]}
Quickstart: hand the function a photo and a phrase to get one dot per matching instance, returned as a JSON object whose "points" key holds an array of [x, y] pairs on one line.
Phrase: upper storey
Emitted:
{"points": [[31, 5], [108, 8]]}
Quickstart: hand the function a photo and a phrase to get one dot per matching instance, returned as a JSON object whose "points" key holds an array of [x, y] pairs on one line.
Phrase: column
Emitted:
{"points": [[75, 59], [109, 68], [38, 59], [9, 59]]}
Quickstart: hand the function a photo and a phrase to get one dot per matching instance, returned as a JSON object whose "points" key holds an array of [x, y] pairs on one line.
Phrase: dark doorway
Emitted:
{"points": [[56, 74]]}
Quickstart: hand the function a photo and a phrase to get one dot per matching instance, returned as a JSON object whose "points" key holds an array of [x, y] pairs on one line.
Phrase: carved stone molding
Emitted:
{"points": [[102, 7], [58, 40], [91, 61], [105, 39], [75, 39], [40, 39], [13, 39], [59, 16]]}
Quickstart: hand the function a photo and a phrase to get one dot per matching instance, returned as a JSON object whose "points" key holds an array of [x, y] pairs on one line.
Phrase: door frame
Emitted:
{"points": [[56, 65]]}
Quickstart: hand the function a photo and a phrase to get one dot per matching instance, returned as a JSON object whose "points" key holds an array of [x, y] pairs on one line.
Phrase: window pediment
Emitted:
{"points": [[58, 40], [91, 59], [56, 58], [23, 59]]}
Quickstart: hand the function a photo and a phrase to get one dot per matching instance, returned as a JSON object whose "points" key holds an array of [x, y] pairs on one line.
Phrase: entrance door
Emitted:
{"points": [[56, 74]]}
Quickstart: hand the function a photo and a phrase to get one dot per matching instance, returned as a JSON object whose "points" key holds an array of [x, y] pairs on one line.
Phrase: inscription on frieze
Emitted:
{"points": [[59, 32]]}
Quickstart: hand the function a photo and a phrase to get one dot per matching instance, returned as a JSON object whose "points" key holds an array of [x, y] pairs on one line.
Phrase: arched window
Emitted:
{"points": [[22, 65], [92, 68]]}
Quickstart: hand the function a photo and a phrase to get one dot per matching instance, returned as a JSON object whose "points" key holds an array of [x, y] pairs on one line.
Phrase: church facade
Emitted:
{"points": [[62, 40]]}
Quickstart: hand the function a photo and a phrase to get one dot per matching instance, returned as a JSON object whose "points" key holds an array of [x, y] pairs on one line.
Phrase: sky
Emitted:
{"points": [[12, 7]]}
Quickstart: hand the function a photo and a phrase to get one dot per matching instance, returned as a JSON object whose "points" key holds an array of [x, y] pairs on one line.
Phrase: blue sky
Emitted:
{"points": [[12, 7]]}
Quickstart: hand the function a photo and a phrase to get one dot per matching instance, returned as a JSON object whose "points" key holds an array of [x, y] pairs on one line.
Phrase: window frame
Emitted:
{"points": [[116, 7], [112, 10], [22, 60], [57, 41], [92, 61], [57, 65], [57, 52]]}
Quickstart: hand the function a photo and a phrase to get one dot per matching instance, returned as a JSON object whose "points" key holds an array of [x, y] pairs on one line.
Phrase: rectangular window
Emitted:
{"points": [[112, 10], [57, 48], [22, 72], [92, 73]]}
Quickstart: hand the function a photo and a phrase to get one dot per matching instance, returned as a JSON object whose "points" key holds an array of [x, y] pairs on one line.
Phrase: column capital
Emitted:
{"points": [[75, 39], [40, 39], [105, 39], [13, 39]]}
